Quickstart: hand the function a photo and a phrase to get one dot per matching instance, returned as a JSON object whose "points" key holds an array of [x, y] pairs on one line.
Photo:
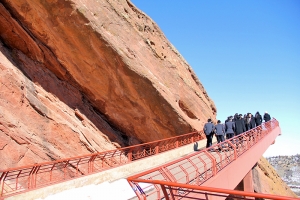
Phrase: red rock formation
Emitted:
{"points": [[266, 180], [84, 76]]}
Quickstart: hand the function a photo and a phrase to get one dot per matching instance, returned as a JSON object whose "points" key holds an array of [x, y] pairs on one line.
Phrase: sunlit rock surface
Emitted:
{"points": [[266, 180], [84, 76]]}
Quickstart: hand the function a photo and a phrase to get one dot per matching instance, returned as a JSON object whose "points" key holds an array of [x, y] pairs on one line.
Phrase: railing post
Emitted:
{"points": [[156, 149], [213, 164], [65, 168], [91, 163], [169, 176], [196, 169], [2, 178], [17, 179], [163, 188], [77, 168], [35, 175], [129, 156], [177, 143], [234, 149], [32, 176]]}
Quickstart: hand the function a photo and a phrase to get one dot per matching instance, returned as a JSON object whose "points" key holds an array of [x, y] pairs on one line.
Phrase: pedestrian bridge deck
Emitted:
{"points": [[223, 166], [200, 168]]}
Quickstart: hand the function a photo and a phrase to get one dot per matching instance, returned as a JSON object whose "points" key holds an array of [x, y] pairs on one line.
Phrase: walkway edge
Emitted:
{"points": [[109, 175]]}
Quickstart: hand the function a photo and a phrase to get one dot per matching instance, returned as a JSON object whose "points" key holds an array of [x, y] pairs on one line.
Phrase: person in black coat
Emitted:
{"points": [[267, 117], [209, 132], [229, 128], [258, 119], [252, 121], [248, 121], [236, 116], [240, 125]]}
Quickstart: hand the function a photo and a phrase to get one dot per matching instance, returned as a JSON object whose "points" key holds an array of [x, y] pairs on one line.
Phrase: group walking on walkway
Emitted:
{"points": [[233, 126]]}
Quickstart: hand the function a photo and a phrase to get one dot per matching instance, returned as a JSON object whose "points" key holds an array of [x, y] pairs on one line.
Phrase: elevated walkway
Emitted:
{"points": [[173, 162], [216, 169], [43, 179]]}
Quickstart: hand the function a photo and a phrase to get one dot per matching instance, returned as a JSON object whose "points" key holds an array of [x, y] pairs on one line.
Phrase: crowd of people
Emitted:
{"points": [[234, 125]]}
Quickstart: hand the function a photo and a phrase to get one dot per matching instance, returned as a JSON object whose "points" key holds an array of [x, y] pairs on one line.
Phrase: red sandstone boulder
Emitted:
{"points": [[266, 180], [85, 76]]}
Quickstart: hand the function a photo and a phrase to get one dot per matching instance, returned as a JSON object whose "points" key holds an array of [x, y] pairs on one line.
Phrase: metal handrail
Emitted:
{"points": [[198, 167], [24, 178], [173, 190]]}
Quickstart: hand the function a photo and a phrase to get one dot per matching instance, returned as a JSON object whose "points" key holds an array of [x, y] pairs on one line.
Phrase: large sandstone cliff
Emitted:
{"points": [[81, 76]]}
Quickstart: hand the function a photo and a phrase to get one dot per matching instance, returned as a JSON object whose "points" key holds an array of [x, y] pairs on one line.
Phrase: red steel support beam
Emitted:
{"points": [[248, 182]]}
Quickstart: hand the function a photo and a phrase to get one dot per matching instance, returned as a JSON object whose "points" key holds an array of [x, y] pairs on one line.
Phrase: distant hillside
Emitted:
{"points": [[288, 168]]}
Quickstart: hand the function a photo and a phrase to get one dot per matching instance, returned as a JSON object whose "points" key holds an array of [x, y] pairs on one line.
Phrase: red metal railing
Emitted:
{"points": [[172, 191], [22, 179], [198, 167]]}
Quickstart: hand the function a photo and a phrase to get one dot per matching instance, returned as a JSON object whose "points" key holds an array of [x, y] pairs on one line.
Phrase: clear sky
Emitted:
{"points": [[245, 53]]}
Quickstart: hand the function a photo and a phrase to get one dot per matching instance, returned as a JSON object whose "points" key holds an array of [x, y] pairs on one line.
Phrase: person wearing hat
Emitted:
{"points": [[267, 117], [220, 131], [209, 132]]}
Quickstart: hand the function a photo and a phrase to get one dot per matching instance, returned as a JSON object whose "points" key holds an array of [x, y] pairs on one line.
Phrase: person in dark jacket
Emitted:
{"points": [[236, 116], [229, 128], [267, 117], [252, 121], [220, 131], [248, 121], [208, 130], [240, 125], [258, 119]]}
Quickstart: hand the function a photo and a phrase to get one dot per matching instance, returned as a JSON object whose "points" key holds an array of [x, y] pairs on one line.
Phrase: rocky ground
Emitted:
{"points": [[288, 168]]}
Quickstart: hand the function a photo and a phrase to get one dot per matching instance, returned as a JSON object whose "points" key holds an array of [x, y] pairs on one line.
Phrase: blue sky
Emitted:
{"points": [[245, 53]]}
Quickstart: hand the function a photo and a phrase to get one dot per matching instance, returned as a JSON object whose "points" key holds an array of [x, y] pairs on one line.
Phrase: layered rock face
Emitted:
{"points": [[84, 76], [266, 180]]}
